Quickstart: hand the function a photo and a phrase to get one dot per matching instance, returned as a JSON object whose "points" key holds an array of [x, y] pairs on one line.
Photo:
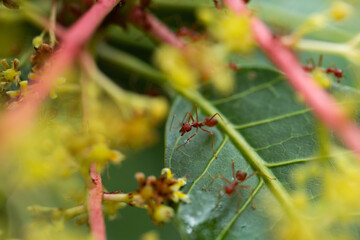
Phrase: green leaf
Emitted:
{"points": [[266, 128]]}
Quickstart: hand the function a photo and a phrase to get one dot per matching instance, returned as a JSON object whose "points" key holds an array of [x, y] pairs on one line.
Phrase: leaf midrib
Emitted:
{"points": [[248, 152]]}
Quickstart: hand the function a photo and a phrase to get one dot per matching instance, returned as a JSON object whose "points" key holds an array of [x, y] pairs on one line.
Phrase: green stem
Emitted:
{"points": [[180, 5], [53, 23], [74, 211], [322, 47], [285, 18], [130, 63], [32, 14]]}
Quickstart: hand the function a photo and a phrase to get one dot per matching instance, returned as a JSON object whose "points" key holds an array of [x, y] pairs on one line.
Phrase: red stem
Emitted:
{"points": [[324, 106], [15, 121], [96, 218], [151, 24]]}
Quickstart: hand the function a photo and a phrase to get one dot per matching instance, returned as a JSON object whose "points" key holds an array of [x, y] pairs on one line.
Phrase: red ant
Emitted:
{"points": [[187, 32], [338, 73], [187, 126], [233, 66], [239, 177]]}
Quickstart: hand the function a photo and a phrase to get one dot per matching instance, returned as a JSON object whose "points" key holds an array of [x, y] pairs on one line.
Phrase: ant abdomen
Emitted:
{"points": [[229, 189], [210, 121]]}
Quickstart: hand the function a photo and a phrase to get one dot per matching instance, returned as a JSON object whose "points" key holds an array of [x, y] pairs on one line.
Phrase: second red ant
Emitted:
{"points": [[239, 177], [338, 73], [186, 127]]}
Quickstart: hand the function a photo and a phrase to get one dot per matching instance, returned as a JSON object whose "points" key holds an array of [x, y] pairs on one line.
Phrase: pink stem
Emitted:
{"points": [[96, 218], [151, 24], [15, 121], [324, 106]]}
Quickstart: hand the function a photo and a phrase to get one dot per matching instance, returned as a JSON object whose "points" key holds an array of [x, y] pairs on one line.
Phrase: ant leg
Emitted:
{"points": [[259, 173], [215, 115], [196, 111], [212, 121], [240, 198], [320, 60], [190, 116], [188, 140], [219, 191], [312, 62], [212, 140], [251, 195], [233, 168], [215, 178], [173, 120]]}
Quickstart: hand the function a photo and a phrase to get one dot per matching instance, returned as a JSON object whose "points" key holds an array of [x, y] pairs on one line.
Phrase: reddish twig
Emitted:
{"points": [[151, 24], [96, 218], [323, 105], [13, 122]]}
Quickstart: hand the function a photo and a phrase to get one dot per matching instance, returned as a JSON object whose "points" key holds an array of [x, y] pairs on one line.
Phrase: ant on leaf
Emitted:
{"points": [[187, 126], [338, 73], [239, 177]]}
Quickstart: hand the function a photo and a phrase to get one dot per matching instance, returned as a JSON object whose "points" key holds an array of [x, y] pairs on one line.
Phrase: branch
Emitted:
{"points": [[323, 105], [13, 122], [96, 218], [151, 24]]}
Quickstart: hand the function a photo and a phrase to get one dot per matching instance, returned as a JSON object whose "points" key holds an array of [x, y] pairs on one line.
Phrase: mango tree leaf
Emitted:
{"points": [[265, 128]]}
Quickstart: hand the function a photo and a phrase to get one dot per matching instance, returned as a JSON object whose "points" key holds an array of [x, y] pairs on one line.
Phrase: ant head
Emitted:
{"points": [[186, 127], [241, 175]]}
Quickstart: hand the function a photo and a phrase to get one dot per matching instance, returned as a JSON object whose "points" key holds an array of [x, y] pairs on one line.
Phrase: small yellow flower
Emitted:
{"points": [[340, 10], [37, 41], [163, 213], [167, 173], [10, 74], [150, 235]]}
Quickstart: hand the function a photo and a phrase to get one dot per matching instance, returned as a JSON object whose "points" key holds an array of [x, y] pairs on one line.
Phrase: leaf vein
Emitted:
{"points": [[281, 142], [222, 145], [269, 120], [226, 229], [247, 92]]}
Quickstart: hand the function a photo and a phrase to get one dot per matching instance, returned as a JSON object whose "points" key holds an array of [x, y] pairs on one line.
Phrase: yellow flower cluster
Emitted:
{"points": [[176, 67], [206, 58], [232, 30], [154, 193], [332, 213], [129, 120], [91, 148], [55, 151], [55, 231], [201, 60]]}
